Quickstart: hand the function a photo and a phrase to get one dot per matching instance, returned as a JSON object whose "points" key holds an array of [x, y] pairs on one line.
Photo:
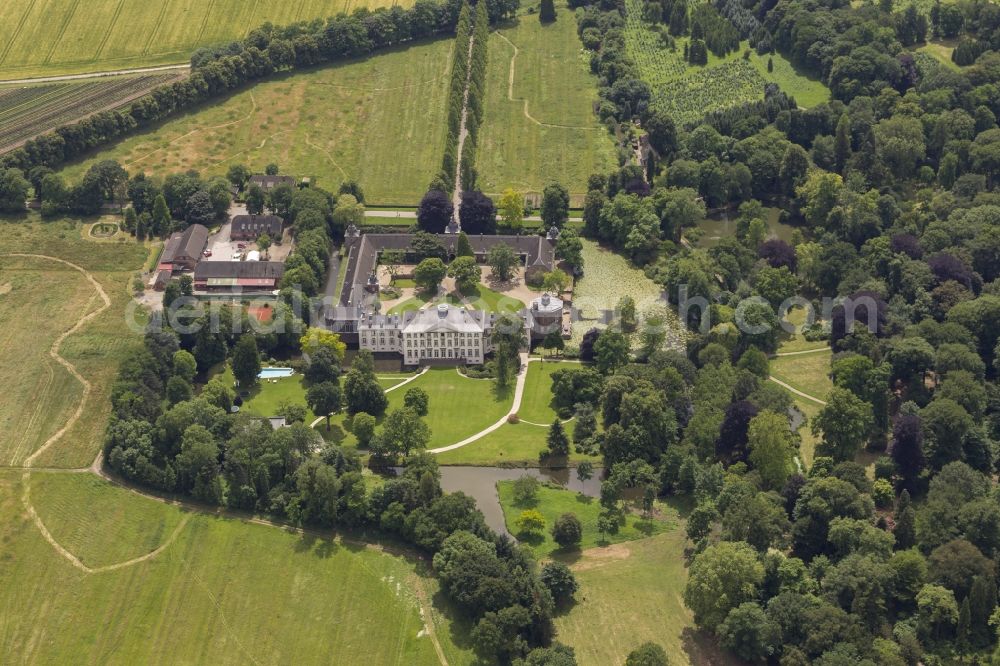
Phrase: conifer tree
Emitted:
{"points": [[557, 441]]}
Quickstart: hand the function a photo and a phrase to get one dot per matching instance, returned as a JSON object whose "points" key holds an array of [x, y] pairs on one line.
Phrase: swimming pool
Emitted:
{"points": [[274, 373]]}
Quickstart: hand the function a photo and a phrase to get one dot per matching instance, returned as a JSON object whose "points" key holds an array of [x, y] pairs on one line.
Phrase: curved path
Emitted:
{"points": [[516, 405], [802, 352], [54, 351], [97, 468], [253, 110], [796, 391], [511, 98], [96, 75], [391, 388]]}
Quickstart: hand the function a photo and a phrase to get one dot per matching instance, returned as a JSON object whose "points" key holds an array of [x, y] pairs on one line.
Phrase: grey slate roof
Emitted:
{"points": [[187, 244], [254, 225], [239, 269]]}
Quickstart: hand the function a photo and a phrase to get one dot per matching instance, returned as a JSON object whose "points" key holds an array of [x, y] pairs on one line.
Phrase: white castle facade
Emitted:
{"points": [[446, 334]]}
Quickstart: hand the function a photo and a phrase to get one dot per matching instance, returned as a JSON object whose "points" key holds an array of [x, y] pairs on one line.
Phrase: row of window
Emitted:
{"points": [[444, 353]]}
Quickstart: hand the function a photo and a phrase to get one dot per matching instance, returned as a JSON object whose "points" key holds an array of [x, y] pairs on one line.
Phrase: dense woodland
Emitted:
{"points": [[891, 188]]}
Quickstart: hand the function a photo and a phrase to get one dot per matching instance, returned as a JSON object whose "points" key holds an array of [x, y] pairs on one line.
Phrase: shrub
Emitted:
{"points": [[531, 521], [883, 494], [567, 531], [526, 490]]}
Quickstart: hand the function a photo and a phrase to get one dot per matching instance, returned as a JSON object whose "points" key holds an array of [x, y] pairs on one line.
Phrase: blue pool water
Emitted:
{"points": [[274, 373]]}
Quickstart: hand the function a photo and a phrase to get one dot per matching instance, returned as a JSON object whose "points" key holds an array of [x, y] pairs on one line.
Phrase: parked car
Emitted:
{"points": [[242, 246], [207, 253]]}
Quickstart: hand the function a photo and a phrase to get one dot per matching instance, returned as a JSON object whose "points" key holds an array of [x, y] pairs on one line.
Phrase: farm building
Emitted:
{"points": [[250, 227], [181, 252], [183, 249], [268, 183], [238, 277]]}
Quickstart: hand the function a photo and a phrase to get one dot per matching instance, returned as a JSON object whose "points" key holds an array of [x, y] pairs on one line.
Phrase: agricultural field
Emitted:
{"points": [[41, 302], [539, 125], [687, 92], [608, 277], [553, 502], [49, 37], [380, 121], [211, 589], [27, 111]]}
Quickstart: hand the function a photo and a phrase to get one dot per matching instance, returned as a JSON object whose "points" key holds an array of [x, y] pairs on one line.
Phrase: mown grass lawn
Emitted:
{"points": [[519, 444], [46, 37], [512, 445], [553, 502], [458, 406], [40, 299], [224, 591], [379, 121], [536, 404], [556, 136]]}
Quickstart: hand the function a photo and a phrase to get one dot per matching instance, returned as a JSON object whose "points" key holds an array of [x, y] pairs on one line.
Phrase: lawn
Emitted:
{"points": [[796, 342], [631, 593], [807, 451], [379, 121], [46, 37], [512, 445], [608, 277], [458, 406], [267, 397], [553, 502], [809, 373], [40, 300], [536, 402], [483, 298], [224, 591], [519, 444], [539, 126]]}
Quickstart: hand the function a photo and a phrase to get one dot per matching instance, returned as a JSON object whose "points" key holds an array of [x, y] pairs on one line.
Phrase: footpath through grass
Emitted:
{"points": [[41, 299], [224, 592], [539, 126], [519, 444], [379, 121]]}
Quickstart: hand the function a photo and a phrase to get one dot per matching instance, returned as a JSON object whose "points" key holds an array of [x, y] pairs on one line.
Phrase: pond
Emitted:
{"points": [[480, 483], [723, 225]]}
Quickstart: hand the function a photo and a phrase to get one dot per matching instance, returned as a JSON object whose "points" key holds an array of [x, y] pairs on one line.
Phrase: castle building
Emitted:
{"points": [[447, 334]]}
